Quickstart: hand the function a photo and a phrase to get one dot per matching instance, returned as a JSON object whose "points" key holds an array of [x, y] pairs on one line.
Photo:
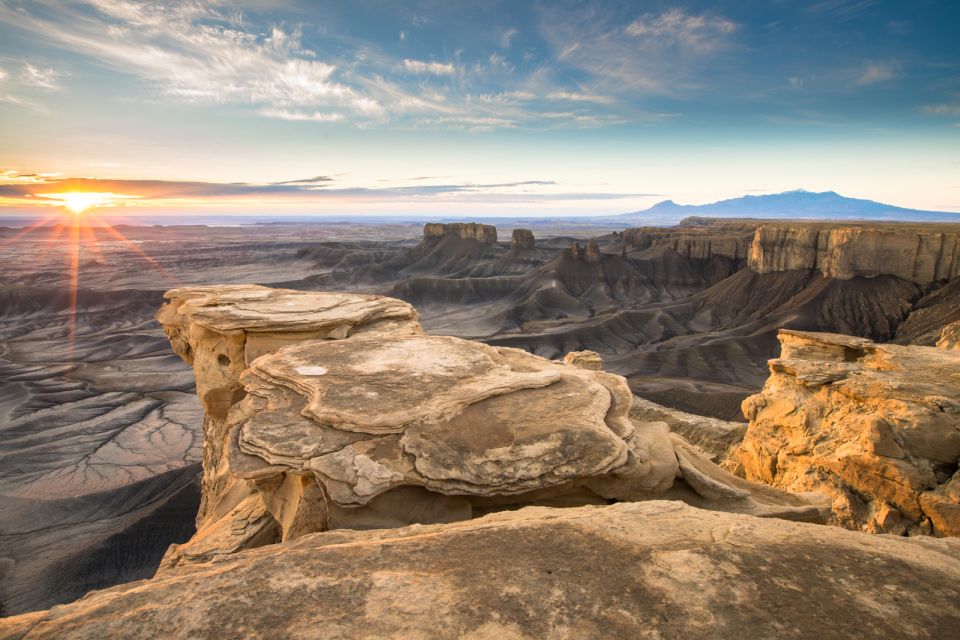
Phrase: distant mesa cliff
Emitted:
{"points": [[920, 255], [485, 233], [522, 239]]}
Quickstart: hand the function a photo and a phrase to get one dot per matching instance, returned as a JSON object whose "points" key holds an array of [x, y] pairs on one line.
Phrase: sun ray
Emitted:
{"points": [[172, 279], [74, 285], [28, 230]]}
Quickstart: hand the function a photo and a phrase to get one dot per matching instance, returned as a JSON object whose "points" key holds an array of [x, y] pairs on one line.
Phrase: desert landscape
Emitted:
{"points": [[479, 321]]}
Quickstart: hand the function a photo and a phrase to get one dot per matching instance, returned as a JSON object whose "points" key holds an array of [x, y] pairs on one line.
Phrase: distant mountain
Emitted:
{"points": [[790, 204]]}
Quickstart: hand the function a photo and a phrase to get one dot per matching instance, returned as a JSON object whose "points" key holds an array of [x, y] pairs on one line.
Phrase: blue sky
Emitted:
{"points": [[482, 108]]}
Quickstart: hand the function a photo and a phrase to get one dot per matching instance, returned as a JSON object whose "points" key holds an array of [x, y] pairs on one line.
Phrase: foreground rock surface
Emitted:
{"points": [[632, 570], [875, 425]]}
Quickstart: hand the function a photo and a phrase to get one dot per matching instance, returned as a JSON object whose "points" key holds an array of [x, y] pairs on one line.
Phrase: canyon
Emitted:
{"points": [[104, 435]]}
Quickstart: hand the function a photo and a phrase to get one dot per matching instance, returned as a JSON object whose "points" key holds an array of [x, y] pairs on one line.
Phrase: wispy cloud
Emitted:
{"points": [[18, 189], [301, 116], [506, 37], [877, 73], [700, 33], [664, 54], [435, 68], [942, 110], [42, 77]]}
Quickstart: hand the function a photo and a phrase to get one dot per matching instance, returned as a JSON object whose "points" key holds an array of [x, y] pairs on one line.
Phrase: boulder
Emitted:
{"points": [[877, 426], [950, 337], [655, 569]]}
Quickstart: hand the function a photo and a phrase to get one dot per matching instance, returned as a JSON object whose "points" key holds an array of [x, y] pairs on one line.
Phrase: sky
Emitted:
{"points": [[473, 109]]}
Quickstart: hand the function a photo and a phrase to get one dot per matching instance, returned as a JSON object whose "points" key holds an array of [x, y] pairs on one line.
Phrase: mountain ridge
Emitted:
{"points": [[795, 204]]}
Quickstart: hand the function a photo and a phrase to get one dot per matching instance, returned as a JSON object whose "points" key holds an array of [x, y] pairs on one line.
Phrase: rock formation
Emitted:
{"points": [[877, 426], [220, 330], [585, 360], [485, 233], [522, 239], [915, 253], [653, 569], [590, 253], [385, 426], [950, 337], [719, 239]]}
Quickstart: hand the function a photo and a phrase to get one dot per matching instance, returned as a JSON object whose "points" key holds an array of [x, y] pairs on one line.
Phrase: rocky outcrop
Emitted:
{"points": [[714, 437], [920, 254], [590, 253], [877, 426], [950, 337], [653, 569], [220, 330], [390, 427], [584, 360], [522, 239], [484, 233]]}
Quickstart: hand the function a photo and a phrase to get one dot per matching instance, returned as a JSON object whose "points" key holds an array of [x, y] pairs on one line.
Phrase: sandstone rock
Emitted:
{"points": [[584, 360], [390, 427], [221, 329], [522, 239], [632, 570], [950, 337], [875, 425], [715, 438], [485, 233], [918, 254]]}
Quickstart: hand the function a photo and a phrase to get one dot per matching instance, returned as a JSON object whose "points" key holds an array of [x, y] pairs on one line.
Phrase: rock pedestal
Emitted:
{"points": [[220, 330]]}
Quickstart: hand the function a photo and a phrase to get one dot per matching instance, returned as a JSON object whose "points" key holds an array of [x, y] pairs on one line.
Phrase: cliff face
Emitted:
{"points": [[522, 239], [728, 240], [920, 255], [877, 426], [485, 233], [631, 570]]}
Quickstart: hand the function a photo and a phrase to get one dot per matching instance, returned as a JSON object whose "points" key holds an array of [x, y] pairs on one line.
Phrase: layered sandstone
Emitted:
{"points": [[653, 569], [386, 427], [719, 238], [920, 254], [877, 426], [484, 233], [220, 330]]}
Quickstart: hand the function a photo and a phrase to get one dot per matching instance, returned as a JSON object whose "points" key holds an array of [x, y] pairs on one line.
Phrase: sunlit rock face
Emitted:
{"points": [[877, 426], [522, 239], [629, 570], [917, 254], [385, 426], [220, 330]]}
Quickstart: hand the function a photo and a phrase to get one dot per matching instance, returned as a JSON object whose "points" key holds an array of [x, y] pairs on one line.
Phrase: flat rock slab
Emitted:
{"points": [[455, 416], [632, 570], [254, 308]]}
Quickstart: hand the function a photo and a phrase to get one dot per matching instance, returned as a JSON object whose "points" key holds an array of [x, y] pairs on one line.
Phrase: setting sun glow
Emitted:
{"points": [[80, 201]]}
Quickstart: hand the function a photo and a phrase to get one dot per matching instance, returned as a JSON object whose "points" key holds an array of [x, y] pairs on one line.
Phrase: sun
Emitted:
{"points": [[80, 201]]}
